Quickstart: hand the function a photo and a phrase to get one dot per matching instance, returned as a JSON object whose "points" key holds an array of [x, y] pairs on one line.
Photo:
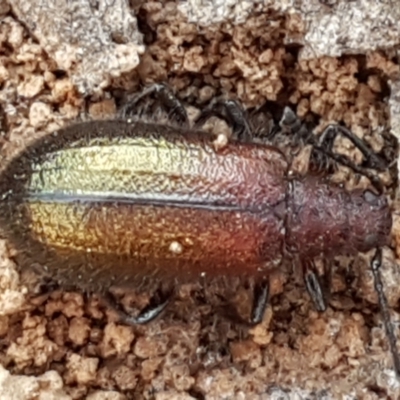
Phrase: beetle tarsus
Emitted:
{"points": [[314, 286], [158, 303], [149, 313], [231, 112], [376, 264], [260, 301]]}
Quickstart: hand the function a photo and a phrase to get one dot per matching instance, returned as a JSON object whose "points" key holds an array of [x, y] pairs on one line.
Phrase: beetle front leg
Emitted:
{"points": [[323, 152], [372, 160], [323, 146], [165, 96], [232, 113]]}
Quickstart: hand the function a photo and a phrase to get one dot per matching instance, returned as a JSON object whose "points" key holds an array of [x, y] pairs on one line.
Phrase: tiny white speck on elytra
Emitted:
{"points": [[175, 247], [220, 142]]}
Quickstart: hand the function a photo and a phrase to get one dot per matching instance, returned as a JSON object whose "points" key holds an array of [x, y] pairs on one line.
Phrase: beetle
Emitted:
{"points": [[115, 202]]}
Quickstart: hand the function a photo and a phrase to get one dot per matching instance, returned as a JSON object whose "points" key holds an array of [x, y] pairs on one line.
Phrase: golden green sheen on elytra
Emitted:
{"points": [[154, 169]]}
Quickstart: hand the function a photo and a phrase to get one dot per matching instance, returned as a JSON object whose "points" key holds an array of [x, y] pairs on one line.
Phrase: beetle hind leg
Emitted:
{"points": [[164, 96]]}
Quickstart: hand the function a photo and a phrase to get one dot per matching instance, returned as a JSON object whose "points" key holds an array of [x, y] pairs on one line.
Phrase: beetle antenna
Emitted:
{"points": [[376, 264]]}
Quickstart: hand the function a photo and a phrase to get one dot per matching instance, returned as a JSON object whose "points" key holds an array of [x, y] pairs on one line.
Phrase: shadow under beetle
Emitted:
{"points": [[111, 203]]}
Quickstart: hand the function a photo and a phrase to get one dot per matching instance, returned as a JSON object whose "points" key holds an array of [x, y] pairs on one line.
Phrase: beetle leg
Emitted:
{"points": [[164, 96], [323, 150], [314, 286], [291, 123], [149, 313], [327, 279], [260, 301], [322, 154], [158, 303], [372, 160], [376, 264], [232, 113]]}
